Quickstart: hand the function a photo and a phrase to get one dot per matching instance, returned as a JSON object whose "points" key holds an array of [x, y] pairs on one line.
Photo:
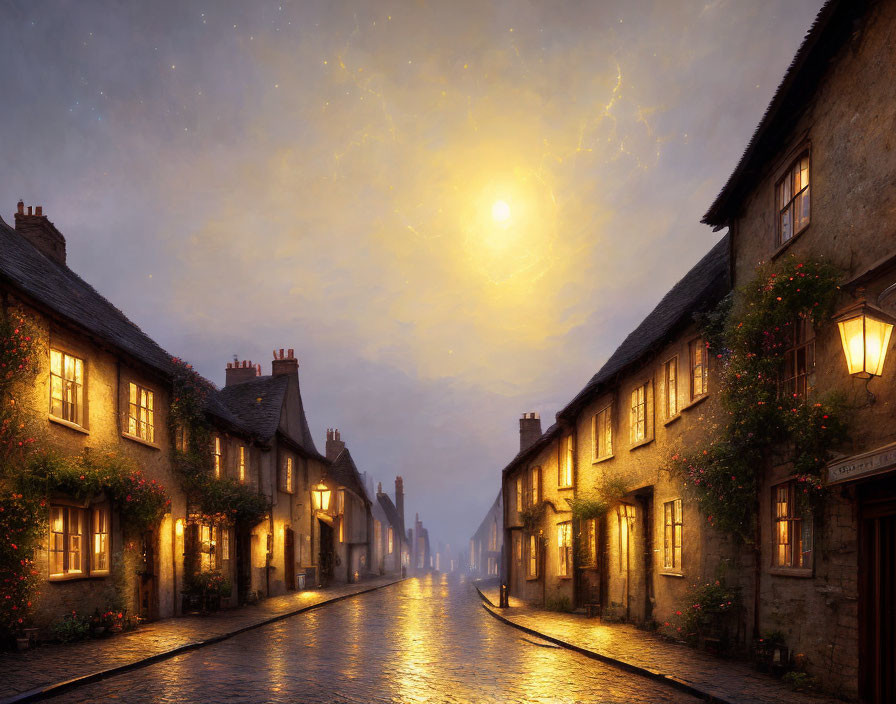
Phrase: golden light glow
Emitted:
{"points": [[179, 527], [500, 212], [320, 497], [865, 333]]}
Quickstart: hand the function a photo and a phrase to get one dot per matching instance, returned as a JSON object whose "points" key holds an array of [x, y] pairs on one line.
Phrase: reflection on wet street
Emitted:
{"points": [[423, 640]]}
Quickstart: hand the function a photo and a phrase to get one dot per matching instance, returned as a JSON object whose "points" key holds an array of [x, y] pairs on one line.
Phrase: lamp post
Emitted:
{"points": [[865, 333]]}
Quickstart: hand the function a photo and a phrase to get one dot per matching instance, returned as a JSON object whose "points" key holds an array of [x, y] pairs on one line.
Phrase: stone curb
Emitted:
{"points": [[51, 690], [670, 680]]}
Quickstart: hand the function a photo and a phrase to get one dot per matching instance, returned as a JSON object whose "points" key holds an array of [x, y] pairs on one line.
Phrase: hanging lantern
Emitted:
{"points": [[865, 333], [320, 497]]}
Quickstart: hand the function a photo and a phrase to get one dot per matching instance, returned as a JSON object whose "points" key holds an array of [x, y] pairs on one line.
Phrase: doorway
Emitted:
{"points": [[243, 564], [877, 592], [325, 558], [289, 558], [147, 602]]}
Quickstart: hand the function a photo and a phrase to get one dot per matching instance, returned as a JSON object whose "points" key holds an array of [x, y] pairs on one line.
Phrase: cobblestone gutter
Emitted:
{"points": [[51, 670], [622, 645]]}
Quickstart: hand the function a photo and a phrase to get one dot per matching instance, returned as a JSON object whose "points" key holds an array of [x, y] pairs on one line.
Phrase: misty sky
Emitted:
{"points": [[239, 177]]}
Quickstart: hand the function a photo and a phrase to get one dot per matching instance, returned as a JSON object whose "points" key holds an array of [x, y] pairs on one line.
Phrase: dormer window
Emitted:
{"points": [[792, 199]]}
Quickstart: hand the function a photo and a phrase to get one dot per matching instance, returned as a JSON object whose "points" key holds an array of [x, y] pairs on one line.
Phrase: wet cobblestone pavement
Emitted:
{"points": [[423, 640]]}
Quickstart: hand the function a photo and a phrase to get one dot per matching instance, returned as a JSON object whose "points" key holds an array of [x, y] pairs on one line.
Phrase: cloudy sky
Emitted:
{"points": [[239, 177]]}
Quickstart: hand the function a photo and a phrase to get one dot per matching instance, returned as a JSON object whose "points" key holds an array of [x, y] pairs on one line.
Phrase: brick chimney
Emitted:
{"points": [[238, 372], [334, 444], [399, 498], [285, 363], [530, 430], [379, 487], [39, 231]]}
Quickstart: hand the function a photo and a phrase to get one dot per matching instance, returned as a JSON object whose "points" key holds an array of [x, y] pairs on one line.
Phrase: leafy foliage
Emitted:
{"points": [[600, 501], [531, 515], [757, 419]]}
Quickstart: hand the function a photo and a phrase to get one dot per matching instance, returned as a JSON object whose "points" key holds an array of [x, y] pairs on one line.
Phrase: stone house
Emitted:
{"points": [[487, 542], [394, 544], [651, 397], [352, 517], [421, 559], [102, 386], [286, 464], [816, 182], [537, 518]]}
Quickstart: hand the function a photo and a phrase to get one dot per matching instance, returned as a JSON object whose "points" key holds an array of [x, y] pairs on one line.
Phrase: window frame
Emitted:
{"points": [[151, 414], [564, 550], [597, 432], [788, 519], [532, 557], [647, 387], [797, 343], [693, 346], [534, 485], [242, 464], [217, 455], [565, 471], [79, 416], [671, 402], [87, 548], [673, 528], [780, 207]]}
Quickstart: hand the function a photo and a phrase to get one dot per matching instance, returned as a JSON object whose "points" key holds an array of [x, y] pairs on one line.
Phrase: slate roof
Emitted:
{"points": [[834, 24], [698, 290], [257, 403], [345, 473], [385, 501], [62, 291]]}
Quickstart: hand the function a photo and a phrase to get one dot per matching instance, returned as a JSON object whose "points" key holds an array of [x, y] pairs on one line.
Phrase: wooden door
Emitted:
{"points": [[243, 564], [147, 598], [877, 594], [289, 558]]}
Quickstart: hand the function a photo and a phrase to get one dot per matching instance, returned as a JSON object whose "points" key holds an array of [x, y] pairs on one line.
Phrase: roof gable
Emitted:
{"points": [[58, 288], [832, 27], [698, 290]]}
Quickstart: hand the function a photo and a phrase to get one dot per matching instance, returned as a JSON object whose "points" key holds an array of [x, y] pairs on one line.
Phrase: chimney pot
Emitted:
{"points": [[257, 370], [39, 210], [291, 353], [20, 207], [29, 210], [530, 430], [281, 353]]}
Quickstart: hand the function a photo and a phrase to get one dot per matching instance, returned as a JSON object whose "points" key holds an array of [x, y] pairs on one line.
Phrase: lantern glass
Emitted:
{"points": [[320, 497], [865, 340]]}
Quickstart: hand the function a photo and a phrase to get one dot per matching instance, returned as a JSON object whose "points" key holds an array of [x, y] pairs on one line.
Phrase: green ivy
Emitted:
{"points": [[214, 500], [749, 337]]}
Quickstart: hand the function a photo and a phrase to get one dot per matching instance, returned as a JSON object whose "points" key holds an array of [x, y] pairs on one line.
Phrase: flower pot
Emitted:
{"points": [[97, 631], [23, 643]]}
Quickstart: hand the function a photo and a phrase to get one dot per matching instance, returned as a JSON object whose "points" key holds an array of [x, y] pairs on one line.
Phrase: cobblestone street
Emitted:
{"points": [[423, 640]]}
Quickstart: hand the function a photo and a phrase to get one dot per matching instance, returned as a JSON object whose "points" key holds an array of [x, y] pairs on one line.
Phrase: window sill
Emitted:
{"points": [[602, 459], [564, 577], [784, 247], [679, 575], [69, 424], [670, 421], [565, 488], [62, 578], [800, 572], [532, 579], [641, 443], [696, 402], [140, 440]]}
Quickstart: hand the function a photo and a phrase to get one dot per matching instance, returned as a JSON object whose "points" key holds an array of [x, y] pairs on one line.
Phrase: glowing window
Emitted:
{"points": [[602, 432], [793, 199], [141, 418], [66, 387], [670, 387], [672, 526]]}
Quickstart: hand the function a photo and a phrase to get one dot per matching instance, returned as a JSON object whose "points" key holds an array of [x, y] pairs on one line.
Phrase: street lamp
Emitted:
{"points": [[865, 333], [320, 497]]}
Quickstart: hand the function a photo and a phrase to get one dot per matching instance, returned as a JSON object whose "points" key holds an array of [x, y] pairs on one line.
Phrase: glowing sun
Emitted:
{"points": [[500, 212]]}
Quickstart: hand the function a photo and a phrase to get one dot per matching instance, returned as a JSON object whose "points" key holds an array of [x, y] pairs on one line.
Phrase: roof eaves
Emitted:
{"points": [[797, 80]]}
